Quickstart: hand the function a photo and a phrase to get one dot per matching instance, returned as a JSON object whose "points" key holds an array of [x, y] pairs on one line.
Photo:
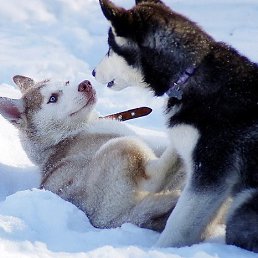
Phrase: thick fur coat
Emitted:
{"points": [[213, 125], [97, 164]]}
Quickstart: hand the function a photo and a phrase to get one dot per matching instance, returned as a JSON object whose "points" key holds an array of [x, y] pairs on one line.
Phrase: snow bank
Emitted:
{"points": [[37, 223]]}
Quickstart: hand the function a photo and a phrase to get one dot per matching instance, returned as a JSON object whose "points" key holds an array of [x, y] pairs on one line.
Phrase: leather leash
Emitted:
{"points": [[129, 114]]}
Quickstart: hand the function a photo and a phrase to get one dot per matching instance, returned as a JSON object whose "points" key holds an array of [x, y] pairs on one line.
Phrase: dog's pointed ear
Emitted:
{"points": [[110, 10], [148, 1], [119, 18], [23, 82], [11, 109]]}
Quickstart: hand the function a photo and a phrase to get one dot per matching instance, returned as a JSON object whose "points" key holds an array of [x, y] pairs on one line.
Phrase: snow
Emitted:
{"points": [[64, 38]]}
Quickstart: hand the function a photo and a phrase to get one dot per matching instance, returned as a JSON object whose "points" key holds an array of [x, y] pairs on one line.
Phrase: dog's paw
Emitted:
{"points": [[169, 239]]}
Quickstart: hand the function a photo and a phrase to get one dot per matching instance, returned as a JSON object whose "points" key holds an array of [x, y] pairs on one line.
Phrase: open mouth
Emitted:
{"points": [[90, 101]]}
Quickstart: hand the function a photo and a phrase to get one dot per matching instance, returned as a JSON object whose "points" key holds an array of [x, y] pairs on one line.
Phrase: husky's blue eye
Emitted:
{"points": [[53, 98]]}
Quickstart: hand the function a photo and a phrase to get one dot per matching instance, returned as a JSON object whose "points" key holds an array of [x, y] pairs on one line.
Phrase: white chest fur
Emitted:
{"points": [[184, 138]]}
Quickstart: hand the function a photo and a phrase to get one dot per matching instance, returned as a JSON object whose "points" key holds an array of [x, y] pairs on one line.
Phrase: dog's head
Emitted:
{"points": [[48, 107], [149, 46]]}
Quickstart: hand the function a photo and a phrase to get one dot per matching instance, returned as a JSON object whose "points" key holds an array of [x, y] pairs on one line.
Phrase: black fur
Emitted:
{"points": [[220, 100], [129, 54], [240, 228]]}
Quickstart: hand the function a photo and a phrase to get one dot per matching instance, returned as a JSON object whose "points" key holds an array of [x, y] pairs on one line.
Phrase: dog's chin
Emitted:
{"points": [[89, 105]]}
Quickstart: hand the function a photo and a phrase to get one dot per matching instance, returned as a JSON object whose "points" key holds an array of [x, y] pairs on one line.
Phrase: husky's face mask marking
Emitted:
{"points": [[63, 103], [49, 105], [119, 69], [140, 38], [122, 65]]}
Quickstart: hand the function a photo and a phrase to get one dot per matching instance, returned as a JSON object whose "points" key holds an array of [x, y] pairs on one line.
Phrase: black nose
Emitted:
{"points": [[85, 86], [94, 73]]}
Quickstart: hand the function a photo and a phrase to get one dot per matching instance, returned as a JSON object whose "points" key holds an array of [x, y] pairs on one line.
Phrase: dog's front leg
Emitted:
{"points": [[197, 203], [188, 221], [160, 169]]}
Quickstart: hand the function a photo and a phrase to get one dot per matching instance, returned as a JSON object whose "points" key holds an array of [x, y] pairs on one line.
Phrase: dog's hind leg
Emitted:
{"points": [[241, 227], [153, 210]]}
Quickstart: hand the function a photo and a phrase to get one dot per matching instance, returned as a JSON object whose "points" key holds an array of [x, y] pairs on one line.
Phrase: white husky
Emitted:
{"points": [[97, 164]]}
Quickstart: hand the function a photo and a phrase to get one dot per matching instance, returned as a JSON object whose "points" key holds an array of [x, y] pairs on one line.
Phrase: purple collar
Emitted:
{"points": [[176, 88]]}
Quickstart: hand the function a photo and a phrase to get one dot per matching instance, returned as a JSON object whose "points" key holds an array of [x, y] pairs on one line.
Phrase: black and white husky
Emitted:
{"points": [[97, 164], [212, 114]]}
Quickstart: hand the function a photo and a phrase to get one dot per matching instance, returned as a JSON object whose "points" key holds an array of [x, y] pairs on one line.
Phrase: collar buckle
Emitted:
{"points": [[176, 88]]}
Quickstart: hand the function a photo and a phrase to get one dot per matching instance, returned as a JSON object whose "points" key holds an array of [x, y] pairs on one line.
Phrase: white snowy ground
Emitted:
{"points": [[66, 39]]}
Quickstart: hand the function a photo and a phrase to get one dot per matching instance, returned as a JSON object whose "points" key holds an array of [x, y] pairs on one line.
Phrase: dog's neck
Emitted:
{"points": [[176, 88], [39, 144]]}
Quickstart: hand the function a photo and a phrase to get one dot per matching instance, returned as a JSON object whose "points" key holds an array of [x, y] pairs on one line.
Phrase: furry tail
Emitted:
{"points": [[242, 221], [153, 210]]}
